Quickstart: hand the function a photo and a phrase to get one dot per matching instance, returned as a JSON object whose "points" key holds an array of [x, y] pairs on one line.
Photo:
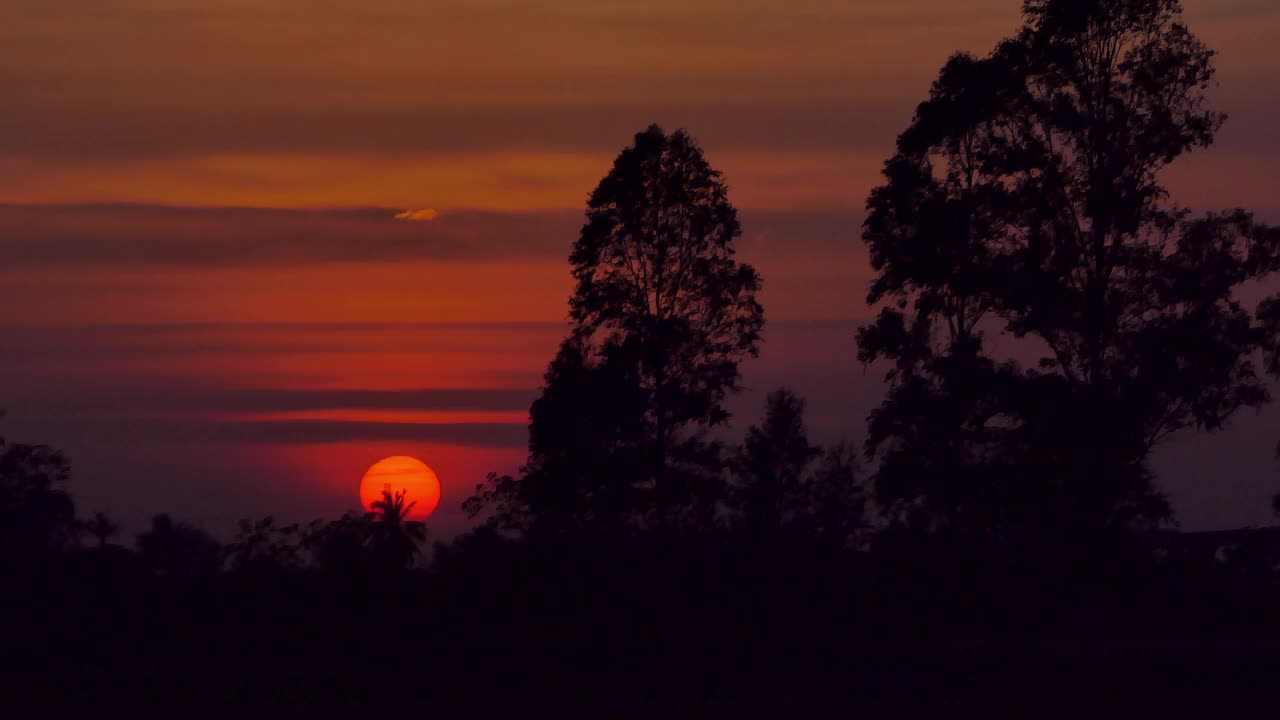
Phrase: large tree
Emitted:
{"points": [[656, 274], [663, 313], [1025, 199]]}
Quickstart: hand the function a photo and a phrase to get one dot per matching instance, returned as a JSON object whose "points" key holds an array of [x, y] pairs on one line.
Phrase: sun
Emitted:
{"points": [[401, 472]]}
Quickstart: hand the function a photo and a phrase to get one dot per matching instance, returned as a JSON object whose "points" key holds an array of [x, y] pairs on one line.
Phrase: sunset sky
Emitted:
{"points": [[249, 247]]}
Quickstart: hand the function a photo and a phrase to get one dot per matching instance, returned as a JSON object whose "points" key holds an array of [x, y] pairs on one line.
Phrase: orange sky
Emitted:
{"points": [[506, 104], [499, 117]]}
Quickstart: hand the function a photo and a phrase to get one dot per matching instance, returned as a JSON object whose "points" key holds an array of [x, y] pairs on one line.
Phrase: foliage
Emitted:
{"points": [[837, 507], [396, 541], [771, 468], [37, 514], [263, 546], [179, 551], [656, 274], [586, 446], [101, 528], [663, 313], [1024, 199], [659, 289], [783, 483], [338, 546]]}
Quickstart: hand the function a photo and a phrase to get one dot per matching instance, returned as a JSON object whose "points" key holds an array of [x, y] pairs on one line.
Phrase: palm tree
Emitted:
{"points": [[101, 528], [395, 540]]}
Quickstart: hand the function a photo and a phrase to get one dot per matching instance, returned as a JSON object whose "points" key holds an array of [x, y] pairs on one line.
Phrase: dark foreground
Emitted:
{"points": [[551, 682], [651, 632]]}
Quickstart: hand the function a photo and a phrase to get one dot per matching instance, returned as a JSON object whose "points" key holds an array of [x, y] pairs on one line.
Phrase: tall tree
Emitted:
{"points": [[934, 231], [1025, 199], [663, 314], [1133, 297], [656, 274]]}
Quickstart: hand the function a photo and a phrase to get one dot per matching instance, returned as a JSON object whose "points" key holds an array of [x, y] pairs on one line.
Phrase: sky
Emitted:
{"points": [[249, 247]]}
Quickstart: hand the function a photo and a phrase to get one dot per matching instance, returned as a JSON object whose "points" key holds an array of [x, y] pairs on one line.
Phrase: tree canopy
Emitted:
{"points": [[663, 313], [1025, 200]]}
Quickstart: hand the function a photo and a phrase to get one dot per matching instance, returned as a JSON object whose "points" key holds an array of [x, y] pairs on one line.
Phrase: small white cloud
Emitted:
{"points": [[424, 214]]}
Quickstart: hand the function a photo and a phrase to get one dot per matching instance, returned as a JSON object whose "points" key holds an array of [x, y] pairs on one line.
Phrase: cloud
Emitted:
{"points": [[241, 77], [135, 431], [814, 76], [158, 236], [1234, 10], [418, 215], [55, 137], [169, 399], [483, 435], [147, 236]]}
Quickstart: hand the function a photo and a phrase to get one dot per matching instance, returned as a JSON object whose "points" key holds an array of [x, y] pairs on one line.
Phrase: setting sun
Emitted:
{"points": [[401, 472]]}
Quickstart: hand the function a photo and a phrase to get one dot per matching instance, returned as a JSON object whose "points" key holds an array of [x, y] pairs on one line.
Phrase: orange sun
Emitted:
{"points": [[401, 472]]}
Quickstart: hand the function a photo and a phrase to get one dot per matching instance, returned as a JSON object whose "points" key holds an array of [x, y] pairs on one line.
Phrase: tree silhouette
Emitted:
{"points": [[101, 528], [178, 551], [263, 546], [930, 229], [783, 482], [1025, 198], [771, 468], [338, 547], [943, 453], [37, 515], [836, 508], [395, 540], [1269, 314], [657, 279], [663, 313], [586, 449]]}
